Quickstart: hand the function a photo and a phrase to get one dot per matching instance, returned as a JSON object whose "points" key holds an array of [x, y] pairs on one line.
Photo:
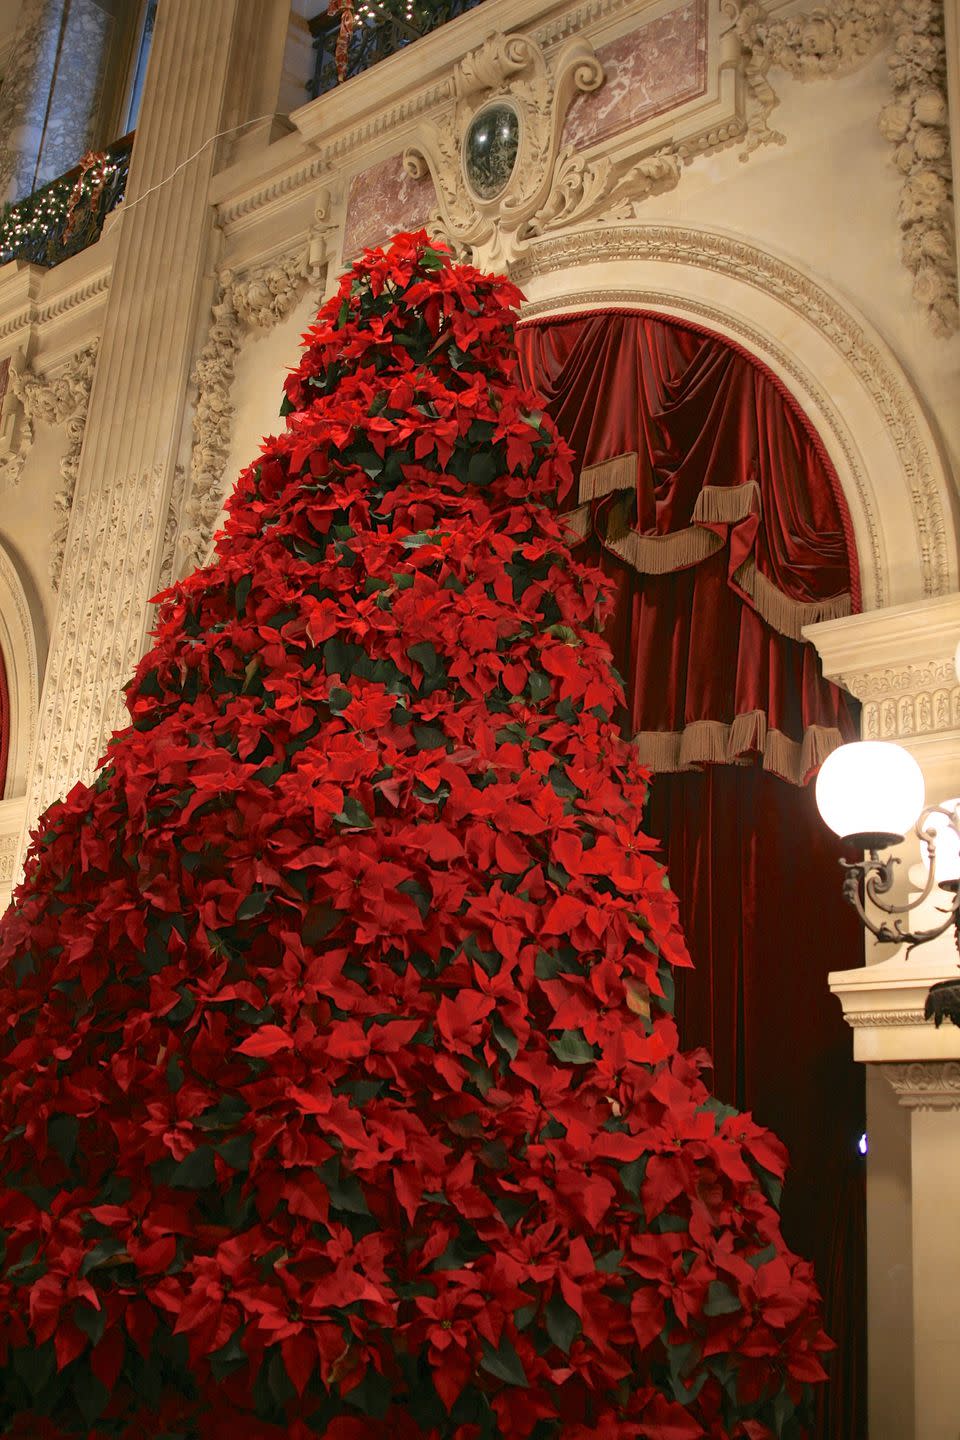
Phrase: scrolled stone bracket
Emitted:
{"points": [[548, 186]]}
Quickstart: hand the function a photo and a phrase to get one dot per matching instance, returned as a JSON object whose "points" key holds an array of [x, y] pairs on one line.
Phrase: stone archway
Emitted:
{"points": [[19, 645], [839, 370]]}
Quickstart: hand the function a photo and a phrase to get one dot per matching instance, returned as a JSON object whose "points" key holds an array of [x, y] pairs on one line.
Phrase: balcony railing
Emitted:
{"points": [[67, 215], [380, 30]]}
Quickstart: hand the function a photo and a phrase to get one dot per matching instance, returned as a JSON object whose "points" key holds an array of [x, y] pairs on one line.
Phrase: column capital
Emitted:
{"points": [[926, 1084]]}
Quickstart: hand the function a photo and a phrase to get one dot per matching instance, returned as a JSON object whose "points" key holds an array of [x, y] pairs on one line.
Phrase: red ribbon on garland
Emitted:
{"points": [[95, 163], [348, 20]]}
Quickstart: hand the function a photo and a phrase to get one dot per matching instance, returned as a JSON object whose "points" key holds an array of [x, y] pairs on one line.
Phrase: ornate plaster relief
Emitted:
{"points": [[115, 529], [246, 303], [926, 1085], [540, 89], [52, 400], [834, 39]]}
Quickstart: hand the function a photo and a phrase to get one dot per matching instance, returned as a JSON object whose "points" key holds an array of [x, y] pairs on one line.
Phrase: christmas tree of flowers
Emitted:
{"points": [[340, 1094]]}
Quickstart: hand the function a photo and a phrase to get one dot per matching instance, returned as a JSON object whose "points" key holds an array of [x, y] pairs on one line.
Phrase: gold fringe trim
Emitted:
{"points": [[712, 742], [659, 554], [578, 522], [726, 504], [619, 473], [786, 615]]}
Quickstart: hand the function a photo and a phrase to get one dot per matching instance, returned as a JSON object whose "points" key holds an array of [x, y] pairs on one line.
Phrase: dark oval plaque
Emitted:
{"points": [[490, 150]]}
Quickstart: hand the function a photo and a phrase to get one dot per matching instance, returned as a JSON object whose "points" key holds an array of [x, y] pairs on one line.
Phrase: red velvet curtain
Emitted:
{"points": [[707, 498], [714, 508]]}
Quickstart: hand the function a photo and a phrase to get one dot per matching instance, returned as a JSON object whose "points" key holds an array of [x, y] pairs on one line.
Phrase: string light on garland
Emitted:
{"points": [[46, 220]]}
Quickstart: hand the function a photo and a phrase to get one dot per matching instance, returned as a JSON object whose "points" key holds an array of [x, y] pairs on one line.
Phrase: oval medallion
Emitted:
{"points": [[490, 149]]}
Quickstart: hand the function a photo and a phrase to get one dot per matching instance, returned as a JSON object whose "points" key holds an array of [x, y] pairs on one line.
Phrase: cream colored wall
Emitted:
{"points": [[828, 199], [257, 388]]}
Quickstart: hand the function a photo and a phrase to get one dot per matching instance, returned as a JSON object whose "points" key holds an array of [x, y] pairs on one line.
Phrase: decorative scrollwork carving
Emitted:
{"points": [[926, 1084], [547, 186], [835, 39], [246, 303], [53, 400]]}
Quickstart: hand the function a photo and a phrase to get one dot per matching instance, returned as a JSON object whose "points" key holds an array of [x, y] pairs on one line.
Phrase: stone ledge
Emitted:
{"points": [[883, 1005]]}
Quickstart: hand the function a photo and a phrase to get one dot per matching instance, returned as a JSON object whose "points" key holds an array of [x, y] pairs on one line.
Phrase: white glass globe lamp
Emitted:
{"points": [[870, 793]]}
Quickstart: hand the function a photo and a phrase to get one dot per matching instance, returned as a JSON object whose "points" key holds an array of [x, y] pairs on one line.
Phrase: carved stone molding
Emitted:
{"points": [[50, 400], [548, 186], [246, 304], [171, 528], [738, 260], [860, 1019], [8, 857], [907, 701], [34, 312], [100, 629], [835, 38], [926, 1084]]}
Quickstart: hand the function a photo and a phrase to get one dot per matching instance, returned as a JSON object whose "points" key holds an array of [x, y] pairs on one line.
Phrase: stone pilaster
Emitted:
{"points": [[127, 465], [929, 1091], [899, 663]]}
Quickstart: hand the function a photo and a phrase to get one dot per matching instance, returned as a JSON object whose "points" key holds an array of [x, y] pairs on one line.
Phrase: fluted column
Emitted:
{"points": [[136, 404]]}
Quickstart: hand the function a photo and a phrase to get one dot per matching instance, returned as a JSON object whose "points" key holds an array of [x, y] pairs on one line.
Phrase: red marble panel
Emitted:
{"points": [[4, 378], [649, 70], [383, 200]]}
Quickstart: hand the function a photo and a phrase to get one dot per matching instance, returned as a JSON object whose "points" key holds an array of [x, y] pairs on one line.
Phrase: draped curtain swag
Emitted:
{"points": [[715, 509]]}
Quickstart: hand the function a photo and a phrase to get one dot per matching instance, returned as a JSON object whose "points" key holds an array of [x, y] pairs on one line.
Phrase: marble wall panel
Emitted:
{"points": [[382, 200], [649, 70], [71, 123]]}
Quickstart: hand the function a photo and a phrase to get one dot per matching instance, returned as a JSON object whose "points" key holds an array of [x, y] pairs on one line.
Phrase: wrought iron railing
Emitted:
{"points": [[381, 30], [65, 216]]}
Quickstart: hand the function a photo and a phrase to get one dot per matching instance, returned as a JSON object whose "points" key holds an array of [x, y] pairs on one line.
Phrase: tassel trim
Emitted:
{"points": [[779, 610], [606, 476], [726, 504], [660, 554], [713, 742], [578, 522]]}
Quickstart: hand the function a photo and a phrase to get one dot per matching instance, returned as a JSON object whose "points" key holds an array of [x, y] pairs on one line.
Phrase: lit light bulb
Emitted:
{"points": [[870, 793]]}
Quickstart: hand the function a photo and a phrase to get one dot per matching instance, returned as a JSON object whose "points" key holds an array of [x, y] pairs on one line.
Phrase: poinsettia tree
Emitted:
{"points": [[340, 1094]]}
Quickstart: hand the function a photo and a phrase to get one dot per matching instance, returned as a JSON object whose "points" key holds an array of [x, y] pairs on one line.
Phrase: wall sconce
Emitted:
{"points": [[871, 794]]}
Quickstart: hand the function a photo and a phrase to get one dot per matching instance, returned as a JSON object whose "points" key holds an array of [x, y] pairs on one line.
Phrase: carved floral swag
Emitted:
{"points": [[714, 507]]}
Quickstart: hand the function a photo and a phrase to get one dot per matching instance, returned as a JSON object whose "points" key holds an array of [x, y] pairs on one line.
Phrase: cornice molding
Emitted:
{"points": [[35, 311]]}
